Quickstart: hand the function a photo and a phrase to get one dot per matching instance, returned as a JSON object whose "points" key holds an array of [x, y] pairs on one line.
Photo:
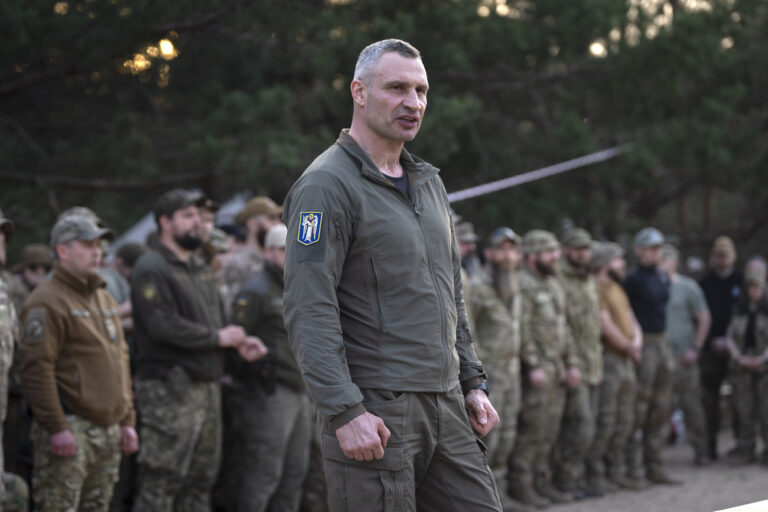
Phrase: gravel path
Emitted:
{"points": [[713, 487]]}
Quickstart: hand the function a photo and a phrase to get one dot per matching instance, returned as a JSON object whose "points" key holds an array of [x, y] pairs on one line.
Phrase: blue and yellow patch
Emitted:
{"points": [[310, 224]]}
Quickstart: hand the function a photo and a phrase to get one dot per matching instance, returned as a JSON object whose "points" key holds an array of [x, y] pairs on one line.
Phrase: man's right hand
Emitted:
{"points": [[231, 336], [63, 444], [719, 345], [252, 349], [363, 438], [537, 377]]}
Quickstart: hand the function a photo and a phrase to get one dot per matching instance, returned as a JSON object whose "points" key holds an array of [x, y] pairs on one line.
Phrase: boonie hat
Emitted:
{"points": [[577, 238], [259, 205], [605, 252]]}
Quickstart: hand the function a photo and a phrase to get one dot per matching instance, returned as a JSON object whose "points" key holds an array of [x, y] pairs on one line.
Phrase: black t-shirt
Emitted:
{"points": [[648, 292], [722, 294], [401, 183]]}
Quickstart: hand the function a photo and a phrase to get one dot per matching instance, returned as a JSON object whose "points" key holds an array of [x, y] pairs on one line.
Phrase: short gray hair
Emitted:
{"points": [[373, 52]]}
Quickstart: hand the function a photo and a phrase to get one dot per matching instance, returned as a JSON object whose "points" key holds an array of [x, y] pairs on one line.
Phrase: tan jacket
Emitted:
{"points": [[73, 354]]}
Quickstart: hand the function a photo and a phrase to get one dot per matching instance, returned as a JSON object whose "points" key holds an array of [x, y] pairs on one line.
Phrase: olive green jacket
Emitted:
{"points": [[374, 298]]}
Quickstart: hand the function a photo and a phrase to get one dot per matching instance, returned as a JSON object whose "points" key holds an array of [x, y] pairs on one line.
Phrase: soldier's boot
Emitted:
{"points": [[632, 484], [521, 489], [596, 486], [507, 503], [661, 477], [545, 488]]}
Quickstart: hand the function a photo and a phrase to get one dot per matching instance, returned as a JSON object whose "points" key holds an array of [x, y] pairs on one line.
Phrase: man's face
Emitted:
{"points": [[80, 257], [545, 261], [275, 255], [579, 257], [394, 97], [33, 275], [755, 292], [649, 256], [617, 269], [724, 260], [467, 248], [668, 265], [504, 255], [185, 227]]}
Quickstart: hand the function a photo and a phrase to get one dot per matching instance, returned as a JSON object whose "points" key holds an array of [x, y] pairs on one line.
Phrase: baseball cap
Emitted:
{"points": [[276, 236], [649, 237], [6, 224], [465, 233], [83, 211], [577, 238], [259, 205], [538, 240], [177, 199], [78, 227], [504, 234]]}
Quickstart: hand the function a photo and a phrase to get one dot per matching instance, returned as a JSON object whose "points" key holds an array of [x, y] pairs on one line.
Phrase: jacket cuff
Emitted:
{"points": [[470, 383], [129, 420], [345, 417], [55, 425]]}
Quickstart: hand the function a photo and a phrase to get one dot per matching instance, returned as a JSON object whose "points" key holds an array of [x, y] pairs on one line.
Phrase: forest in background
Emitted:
{"points": [[107, 103]]}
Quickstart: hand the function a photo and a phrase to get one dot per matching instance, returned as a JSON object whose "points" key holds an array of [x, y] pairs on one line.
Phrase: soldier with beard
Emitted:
{"points": [[622, 341], [583, 316], [179, 334], [494, 305], [549, 364]]}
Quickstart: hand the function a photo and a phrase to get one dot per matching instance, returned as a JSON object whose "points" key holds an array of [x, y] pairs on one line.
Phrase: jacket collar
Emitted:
{"points": [[569, 270], [170, 256], [82, 285], [417, 169]]}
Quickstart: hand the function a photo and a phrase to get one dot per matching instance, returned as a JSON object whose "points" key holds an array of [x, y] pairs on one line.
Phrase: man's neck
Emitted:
{"points": [[385, 154], [175, 248], [723, 273]]}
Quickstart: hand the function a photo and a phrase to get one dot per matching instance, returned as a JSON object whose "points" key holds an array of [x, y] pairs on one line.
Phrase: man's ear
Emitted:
{"points": [[357, 88]]}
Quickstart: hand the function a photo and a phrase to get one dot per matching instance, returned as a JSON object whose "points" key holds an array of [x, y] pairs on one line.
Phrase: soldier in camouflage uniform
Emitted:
{"points": [[748, 347], [583, 315], [549, 363], [75, 373], [13, 490], [495, 310], [622, 341]]}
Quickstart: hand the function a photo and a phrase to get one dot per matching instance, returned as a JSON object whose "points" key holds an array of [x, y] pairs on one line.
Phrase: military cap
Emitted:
{"points": [[259, 205], [754, 276], [670, 252], [649, 237], [219, 240], [130, 252], [503, 234], [83, 211], [276, 236], [539, 240], [177, 199], [577, 238], [78, 227], [723, 245], [465, 233], [6, 224], [35, 254], [605, 252]]}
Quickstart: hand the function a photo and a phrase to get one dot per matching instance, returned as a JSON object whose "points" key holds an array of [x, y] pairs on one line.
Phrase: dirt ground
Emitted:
{"points": [[714, 487]]}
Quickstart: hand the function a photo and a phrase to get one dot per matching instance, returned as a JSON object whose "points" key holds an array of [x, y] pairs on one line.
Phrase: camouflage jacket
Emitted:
{"points": [[582, 310], [496, 326], [542, 324]]}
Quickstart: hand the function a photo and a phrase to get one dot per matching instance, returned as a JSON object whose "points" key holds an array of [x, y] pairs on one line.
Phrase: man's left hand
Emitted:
{"points": [[482, 416], [130, 441], [689, 357], [572, 377]]}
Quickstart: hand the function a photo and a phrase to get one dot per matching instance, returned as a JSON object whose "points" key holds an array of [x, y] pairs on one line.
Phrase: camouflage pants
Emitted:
{"points": [[83, 482], [14, 494], [505, 395], [750, 405], [688, 397], [180, 443], [615, 418], [538, 430], [654, 396], [576, 434], [276, 433]]}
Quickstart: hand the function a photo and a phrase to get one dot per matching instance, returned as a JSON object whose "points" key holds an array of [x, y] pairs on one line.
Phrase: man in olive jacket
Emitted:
{"points": [[374, 308]]}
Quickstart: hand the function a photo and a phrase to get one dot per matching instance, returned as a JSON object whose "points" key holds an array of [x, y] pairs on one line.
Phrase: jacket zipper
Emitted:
{"points": [[379, 306]]}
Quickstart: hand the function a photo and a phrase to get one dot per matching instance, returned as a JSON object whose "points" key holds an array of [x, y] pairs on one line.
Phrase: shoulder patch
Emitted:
{"points": [[34, 326], [148, 290], [310, 226]]}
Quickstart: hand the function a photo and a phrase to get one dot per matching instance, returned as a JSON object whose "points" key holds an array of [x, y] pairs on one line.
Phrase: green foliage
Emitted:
{"points": [[259, 88]]}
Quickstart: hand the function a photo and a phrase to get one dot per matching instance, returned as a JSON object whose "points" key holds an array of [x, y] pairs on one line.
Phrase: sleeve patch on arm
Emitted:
{"points": [[310, 239], [34, 327]]}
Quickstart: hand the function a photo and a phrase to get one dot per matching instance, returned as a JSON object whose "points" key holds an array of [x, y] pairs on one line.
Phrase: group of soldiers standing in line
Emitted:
{"points": [[586, 361]]}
